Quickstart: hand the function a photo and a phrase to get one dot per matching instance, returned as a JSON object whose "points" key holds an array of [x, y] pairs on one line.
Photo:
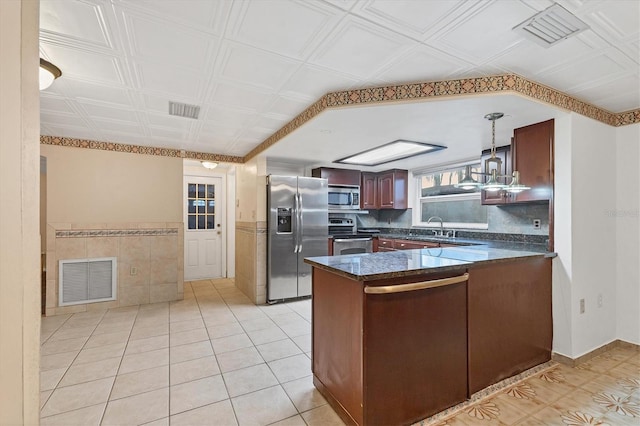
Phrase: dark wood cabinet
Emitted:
{"points": [[532, 152], [389, 359], [337, 176], [385, 244], [391, 356], [390, 244], [510, 323], [392, 189], [413, 244], [369, 191], [497, 197], [384, 190]]}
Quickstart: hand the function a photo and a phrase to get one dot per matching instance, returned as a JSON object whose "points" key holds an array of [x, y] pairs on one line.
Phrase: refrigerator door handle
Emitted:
{"points": [[296, 224], [300, 222]]}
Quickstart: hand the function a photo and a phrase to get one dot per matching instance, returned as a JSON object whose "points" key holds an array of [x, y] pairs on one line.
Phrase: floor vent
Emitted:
{"points": [[87, 280]]}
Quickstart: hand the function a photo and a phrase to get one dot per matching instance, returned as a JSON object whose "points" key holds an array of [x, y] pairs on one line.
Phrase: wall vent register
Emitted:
{"points": [[87, 280]]}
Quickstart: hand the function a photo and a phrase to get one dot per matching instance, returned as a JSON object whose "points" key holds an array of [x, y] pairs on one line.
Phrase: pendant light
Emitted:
{"points": [[494, 165], [492, 185]]}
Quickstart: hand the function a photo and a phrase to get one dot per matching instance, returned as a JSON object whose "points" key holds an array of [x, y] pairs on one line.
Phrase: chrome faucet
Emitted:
{"points": [[441, 225]]}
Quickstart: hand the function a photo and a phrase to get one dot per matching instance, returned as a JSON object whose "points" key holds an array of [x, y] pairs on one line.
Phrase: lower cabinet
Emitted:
{"points": [[391, 358], [395, 357], [389, 244], [510, 324]]}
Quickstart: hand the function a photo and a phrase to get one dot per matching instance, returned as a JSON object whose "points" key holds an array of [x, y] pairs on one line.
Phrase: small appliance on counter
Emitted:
{"points": [[297, 228]]}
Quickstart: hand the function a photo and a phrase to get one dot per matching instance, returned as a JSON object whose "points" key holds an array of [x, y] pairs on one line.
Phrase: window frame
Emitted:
{"points": [[416, 220]]}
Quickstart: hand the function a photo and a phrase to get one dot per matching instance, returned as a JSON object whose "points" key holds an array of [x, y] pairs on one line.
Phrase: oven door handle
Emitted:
{"points": [[348, 240], [388, 289]]}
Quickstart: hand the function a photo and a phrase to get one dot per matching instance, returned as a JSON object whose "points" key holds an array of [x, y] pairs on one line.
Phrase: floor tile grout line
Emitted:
{"points": [[124, 351], [195, 296], [72, 361]]}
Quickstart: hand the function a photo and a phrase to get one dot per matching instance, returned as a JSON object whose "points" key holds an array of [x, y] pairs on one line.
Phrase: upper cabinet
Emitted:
{"points": [[530, 153], [369, 191], [337, 176], [533, 157], [384, 190]]}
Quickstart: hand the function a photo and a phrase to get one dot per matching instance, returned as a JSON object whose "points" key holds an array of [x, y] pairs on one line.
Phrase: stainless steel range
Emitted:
{"points": [[345, 238]]}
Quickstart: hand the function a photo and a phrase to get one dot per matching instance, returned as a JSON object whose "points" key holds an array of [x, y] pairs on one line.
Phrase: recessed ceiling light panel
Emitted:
{"points": [[392, 151], [184, 110], [551, 26]]}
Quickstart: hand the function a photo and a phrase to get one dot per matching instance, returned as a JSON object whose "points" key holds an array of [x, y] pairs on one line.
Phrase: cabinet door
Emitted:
{"points": [[497, 197], [533, 158], [368, 191], [510, 324], [385, 190], [392, 189], [337, 176]]}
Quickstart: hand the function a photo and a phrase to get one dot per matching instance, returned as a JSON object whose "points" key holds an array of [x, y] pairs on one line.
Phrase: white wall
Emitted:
{"points": [[588, 236], [562, 302], [626, 221], [593, 195]]}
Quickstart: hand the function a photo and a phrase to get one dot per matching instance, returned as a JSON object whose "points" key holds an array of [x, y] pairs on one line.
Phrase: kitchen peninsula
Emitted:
{"points": [[399, 336]]}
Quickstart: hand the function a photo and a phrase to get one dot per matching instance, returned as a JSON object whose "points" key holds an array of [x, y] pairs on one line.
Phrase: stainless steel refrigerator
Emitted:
{"points": [[298, 228]]}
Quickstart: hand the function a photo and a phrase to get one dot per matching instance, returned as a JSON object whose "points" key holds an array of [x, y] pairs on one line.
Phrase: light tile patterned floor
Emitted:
{"points": [[216, 359]]}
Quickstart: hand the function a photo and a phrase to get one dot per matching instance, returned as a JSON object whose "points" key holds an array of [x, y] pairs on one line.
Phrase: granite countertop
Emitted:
{"points": [[402, 263]]}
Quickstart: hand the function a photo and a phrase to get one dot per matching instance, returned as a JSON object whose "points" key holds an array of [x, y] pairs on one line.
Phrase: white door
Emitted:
{"points": [[203, 222]]}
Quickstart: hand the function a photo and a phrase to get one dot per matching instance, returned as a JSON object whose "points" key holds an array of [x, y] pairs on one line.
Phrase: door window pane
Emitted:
{"points": [[201, 206]]}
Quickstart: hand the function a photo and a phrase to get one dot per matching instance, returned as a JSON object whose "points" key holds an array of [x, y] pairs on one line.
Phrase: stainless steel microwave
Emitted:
{"points": [[344, 197]]}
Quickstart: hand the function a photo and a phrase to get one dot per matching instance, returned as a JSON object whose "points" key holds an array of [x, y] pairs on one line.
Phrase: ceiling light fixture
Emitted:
{"points": [[392, 151], [492, 164], [209, 164], [48, 73]]}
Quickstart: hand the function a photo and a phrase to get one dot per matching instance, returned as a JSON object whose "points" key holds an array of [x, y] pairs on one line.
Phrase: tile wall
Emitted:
{"points": [[155, 250], [511, 219], [251, 260]]}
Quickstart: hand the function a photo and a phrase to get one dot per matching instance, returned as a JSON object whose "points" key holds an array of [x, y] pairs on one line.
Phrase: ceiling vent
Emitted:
{"points": [[184, 110], [551, 26]]}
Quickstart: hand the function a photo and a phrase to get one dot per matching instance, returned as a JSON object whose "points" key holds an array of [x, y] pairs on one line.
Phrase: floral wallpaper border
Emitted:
{"points": [[137, 149], [505, 83]]}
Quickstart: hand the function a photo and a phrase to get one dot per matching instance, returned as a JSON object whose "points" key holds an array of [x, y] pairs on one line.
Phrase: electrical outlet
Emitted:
{"points": [[133, 271], [582, 306], [600, 301], [536, 223]]}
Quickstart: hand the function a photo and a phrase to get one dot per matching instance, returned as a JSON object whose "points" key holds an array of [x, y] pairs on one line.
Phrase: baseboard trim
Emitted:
{"points": [[572, 362]]}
